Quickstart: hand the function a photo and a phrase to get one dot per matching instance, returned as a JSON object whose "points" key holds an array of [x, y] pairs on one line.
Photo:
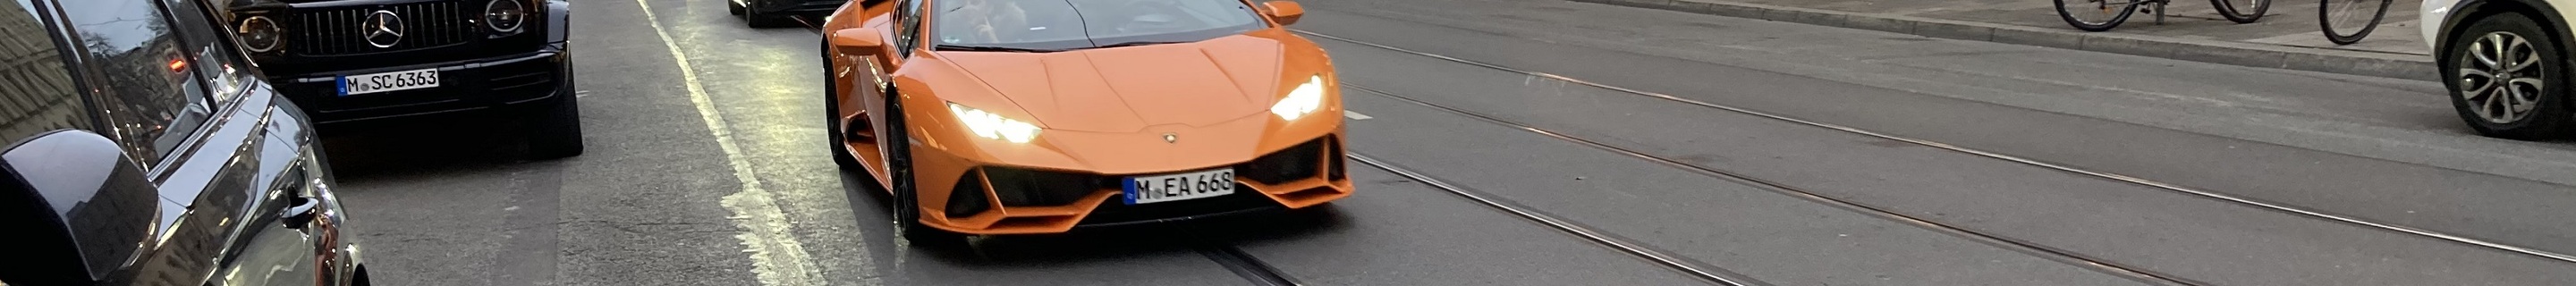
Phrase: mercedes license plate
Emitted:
{"points": [[391, 81]]}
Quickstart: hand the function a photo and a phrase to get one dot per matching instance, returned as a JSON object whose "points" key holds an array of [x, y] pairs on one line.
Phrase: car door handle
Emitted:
{"points": [[300, 214]]}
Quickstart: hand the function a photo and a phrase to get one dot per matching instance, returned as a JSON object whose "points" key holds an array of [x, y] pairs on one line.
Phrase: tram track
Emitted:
{"points": [[1695, 269], [1244, 264], [2170, 187], [2060, 255]]}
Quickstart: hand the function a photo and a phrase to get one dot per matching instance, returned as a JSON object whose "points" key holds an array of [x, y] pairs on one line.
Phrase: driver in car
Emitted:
{"points": [[984, 21]]}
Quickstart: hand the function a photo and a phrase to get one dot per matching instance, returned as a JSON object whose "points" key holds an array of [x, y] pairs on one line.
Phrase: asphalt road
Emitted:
{"points": [[1532, 142]]}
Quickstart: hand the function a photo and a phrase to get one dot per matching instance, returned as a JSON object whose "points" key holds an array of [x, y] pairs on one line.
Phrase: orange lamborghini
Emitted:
{"points": [[987, 117]]}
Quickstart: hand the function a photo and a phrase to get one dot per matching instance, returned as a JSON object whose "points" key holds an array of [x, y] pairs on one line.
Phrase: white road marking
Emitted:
{"points": [[1355, 115], [776, 257], [581, 94]]}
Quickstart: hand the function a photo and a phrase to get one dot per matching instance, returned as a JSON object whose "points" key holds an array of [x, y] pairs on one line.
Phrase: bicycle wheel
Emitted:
{"points": [[2242, 11], [2347, 21], [2095, 15]]}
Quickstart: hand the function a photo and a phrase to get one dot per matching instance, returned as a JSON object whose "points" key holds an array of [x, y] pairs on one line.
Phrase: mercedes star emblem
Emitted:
{"points": [[1171, 138], [383, 29]]}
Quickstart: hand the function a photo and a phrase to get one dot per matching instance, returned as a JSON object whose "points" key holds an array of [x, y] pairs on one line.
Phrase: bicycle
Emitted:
{"points": [[2111, 14], [2330, 13]]}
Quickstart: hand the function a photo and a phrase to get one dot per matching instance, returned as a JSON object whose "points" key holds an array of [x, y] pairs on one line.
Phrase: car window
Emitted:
{"points": [[218, 60], [1075, 24], [152, 97], [37, 93], [907, 26]]}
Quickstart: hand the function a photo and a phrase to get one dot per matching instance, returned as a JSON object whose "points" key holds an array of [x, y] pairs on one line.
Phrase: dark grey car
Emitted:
{"points": [[357, 63], [143, 149]]}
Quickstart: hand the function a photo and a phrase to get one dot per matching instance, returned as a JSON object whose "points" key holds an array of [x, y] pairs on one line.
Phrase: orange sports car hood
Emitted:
{"points": [[1127, 89]]}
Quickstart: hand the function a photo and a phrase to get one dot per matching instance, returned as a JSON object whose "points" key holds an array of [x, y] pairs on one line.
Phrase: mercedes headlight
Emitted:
{"points": [[259, 34], [504, 15], [1306, 98], [994, 126]]}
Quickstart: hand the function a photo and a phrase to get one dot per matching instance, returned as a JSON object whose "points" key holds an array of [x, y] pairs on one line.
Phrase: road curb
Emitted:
{"points": [[2209, 51]]}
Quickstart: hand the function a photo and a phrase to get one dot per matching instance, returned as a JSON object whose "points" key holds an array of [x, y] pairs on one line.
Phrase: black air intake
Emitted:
{"points": [[968, 198], [1021, 187], [1295, 163]]}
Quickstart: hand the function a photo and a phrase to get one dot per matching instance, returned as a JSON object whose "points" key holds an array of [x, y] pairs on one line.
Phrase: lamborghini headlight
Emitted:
{"points": [[1306, 98], [994, 126]]}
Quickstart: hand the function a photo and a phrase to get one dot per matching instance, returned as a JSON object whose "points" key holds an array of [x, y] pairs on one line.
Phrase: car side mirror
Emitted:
{"points": [[1284, 12], [76, 207], [858, 41]]}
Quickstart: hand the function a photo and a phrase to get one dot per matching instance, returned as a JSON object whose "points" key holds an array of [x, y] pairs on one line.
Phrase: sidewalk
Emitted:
{"points": [[2287, 37]]}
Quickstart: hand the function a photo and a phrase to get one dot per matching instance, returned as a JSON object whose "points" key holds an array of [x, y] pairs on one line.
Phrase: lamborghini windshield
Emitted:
{"points": [[1055, 25]]}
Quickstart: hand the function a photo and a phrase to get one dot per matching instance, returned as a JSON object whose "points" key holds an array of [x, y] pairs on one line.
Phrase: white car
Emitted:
{"points": [[2506, 63]]}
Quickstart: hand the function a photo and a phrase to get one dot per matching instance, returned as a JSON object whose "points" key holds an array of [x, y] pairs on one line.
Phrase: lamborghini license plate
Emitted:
{"points": [[1183, 186]]}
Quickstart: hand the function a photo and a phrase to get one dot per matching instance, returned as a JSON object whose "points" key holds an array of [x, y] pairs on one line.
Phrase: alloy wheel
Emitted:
{"points": [[2501, 77]]}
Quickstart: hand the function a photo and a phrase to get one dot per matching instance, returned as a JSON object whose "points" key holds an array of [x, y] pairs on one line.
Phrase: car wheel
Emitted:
{"points": [[2508, 79], [554, 131], [733, 7], [758, 19], [907, 201]]}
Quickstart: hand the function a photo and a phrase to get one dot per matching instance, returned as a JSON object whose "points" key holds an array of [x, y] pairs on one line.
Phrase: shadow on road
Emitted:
{"points": [[1090, 244], [407, 147]]}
